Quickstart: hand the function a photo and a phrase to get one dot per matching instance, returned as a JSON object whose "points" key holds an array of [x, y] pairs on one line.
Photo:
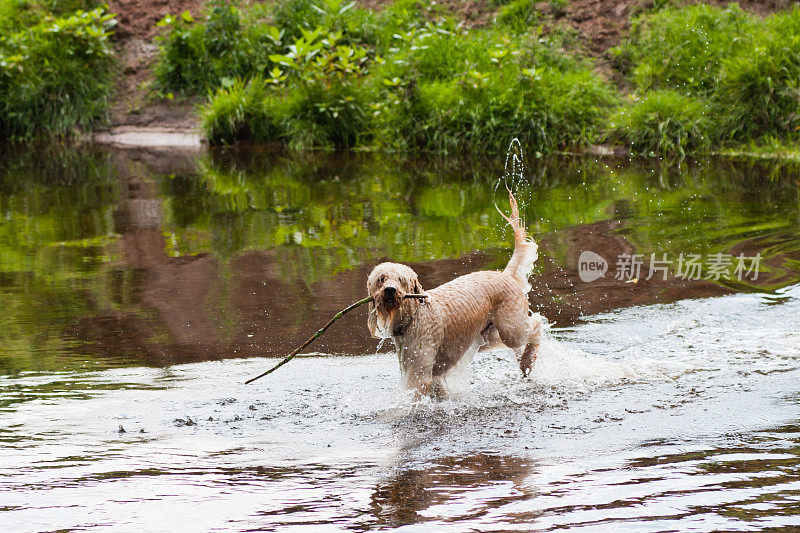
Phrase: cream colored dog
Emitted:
{"points": [[431, 335]]}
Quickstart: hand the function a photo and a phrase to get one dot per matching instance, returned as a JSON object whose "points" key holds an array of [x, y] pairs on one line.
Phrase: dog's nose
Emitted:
{"points": [[389, 291]]}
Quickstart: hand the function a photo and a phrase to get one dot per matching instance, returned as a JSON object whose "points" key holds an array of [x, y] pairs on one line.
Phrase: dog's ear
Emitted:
{"points": [[372, 320], [417, 286]]}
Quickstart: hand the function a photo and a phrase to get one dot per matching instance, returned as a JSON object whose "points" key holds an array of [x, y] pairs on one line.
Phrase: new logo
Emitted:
{"points": [[591, 266]]}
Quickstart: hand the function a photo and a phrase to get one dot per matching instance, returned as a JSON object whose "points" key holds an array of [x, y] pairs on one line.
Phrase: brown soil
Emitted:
{"points": [[138, 18], [135, 104]]}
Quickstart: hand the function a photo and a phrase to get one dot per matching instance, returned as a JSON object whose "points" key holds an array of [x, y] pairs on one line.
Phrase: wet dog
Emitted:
{"points": [[431, 335]]}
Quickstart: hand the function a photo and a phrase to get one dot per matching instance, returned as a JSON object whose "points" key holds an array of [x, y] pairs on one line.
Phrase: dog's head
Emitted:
{"points": [[390, 311]]}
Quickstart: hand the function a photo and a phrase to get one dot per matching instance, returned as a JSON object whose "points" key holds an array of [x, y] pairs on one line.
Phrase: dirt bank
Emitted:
{"points": [[134, 104]]}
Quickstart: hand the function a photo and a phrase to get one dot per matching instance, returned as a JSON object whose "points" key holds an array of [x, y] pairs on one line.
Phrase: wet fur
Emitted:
{"points": [[431, 335]]}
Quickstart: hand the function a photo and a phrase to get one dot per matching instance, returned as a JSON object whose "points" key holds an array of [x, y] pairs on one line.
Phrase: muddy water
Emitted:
{"points": [[141, 289]]}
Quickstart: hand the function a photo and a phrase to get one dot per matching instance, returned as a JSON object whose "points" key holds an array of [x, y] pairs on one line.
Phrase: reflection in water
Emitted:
{"points": [[665, 405], [415, 494], [162, 258]]}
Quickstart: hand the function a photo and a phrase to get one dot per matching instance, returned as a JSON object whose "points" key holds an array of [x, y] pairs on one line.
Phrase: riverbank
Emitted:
{"points": [[456, 77]]}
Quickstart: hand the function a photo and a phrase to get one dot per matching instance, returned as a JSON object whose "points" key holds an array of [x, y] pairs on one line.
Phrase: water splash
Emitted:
{"points": [[514, 167], [380, 344], [513, 177]]}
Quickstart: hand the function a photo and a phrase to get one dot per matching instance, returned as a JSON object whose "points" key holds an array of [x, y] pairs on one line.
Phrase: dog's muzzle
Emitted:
{"points": [[389, 297]]}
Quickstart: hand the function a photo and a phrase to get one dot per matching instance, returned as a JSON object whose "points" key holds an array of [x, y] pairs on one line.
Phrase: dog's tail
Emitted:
{"points": [[526, 251]]}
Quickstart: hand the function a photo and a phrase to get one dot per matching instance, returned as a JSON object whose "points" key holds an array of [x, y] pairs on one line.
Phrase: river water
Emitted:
{"points": [[141, 288]]}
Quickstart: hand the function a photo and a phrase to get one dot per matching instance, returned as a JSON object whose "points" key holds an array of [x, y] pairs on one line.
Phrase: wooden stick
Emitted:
{"points": [[319, 332]]}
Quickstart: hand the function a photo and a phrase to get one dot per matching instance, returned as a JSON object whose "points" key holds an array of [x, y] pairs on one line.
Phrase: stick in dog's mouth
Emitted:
{"points": [[396, 301], [336, 317]]}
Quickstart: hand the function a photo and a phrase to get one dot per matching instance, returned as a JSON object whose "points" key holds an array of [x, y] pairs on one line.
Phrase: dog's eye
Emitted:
{"points": [[381, 279]]}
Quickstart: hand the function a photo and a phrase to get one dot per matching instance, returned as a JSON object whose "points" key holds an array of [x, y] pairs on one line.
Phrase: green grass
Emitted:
{"points": [[759, 89], [405, 79], [709, 78], [473, 91], [664, 122], [56, 76], [682, 48]]}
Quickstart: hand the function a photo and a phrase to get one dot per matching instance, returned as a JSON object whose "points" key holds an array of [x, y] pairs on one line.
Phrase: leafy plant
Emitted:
{"points": [[198, 57], [317, 99], [56, 76]]}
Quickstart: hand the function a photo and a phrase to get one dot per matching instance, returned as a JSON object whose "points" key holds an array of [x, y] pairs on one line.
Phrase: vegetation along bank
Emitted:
{"points": [[660, 78]]}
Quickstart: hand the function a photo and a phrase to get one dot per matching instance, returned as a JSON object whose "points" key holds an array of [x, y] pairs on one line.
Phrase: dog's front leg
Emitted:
{"points": [[416, 362]]}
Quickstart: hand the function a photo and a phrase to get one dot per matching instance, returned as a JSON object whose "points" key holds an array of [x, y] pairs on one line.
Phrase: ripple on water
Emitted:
{"points": [[659, 417]]}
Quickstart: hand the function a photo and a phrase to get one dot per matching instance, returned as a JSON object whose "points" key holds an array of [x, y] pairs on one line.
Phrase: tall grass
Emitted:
{"points": [[406, 80], [471, 91], [240, 113], [683, 48], [759, 88], [707, 69], [56, 76], [303, 117], [664, 122]]}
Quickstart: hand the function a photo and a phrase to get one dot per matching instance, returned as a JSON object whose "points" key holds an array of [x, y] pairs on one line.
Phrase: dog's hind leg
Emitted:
{"points": [[527, 354]]}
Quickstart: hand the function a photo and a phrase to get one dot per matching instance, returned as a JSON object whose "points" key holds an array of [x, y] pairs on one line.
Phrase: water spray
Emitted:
{"points": [[513, 169], [515, 163]]}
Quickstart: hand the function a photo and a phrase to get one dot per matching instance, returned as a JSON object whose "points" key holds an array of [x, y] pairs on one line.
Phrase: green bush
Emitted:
{"points": [[549, 111], [56, 76], [302, 117], [745, 70], [240, 113], [664, 122], [318, 100], [759, 89], [359, 27], [683, 48], [456, 91], [230, 43], [409, 84], [200, 57]]}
